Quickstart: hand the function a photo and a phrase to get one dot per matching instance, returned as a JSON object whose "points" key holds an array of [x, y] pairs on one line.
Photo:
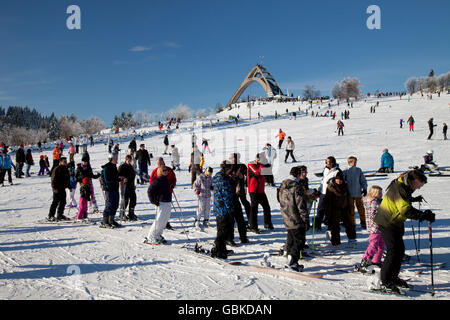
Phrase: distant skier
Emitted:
{"points": [[205, 145], [20, 161], [85, 197], [411, 122], [132, 146], [290, 146], [401, 123], [111, 181], [29, 161], [43, 169], [175, 154], [281, 135], [387, 162], [166, 144], [196, 162], [444, 130], [431, 126], [270, 156], [340, 127], [429, 163], [5, 166], [143, 160]]}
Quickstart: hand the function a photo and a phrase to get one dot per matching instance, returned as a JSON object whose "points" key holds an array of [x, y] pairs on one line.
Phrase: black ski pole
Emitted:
{"points": [[431, 257], [418, 236], [415, 244]]}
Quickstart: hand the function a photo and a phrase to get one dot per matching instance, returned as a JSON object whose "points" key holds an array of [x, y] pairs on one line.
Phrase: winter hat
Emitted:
{"points": [[85, 181], [430, 152], [339, 175], [42, 156], [385, 150]]}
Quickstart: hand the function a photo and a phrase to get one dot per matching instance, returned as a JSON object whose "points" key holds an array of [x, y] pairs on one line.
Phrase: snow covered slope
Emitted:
{"points": [[86, 262]]}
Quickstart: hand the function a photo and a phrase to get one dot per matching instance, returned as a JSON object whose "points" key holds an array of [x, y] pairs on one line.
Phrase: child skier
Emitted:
{"points": [[85, 197], [374, 252], [43, 166], [73, 185], [203, 187]]}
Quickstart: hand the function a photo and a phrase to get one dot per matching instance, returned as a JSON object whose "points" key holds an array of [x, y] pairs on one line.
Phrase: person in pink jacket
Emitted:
{"points": [[71, 153]]}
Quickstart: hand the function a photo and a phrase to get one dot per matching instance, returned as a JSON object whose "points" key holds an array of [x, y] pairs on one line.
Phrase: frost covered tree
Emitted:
{"points": [[431, 84], [310, 92], [182, 112], [348, 88], [412, 85], [336, 91]]}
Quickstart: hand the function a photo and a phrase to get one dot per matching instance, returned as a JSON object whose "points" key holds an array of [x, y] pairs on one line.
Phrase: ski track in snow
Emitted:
{"points": [[41, 261]]}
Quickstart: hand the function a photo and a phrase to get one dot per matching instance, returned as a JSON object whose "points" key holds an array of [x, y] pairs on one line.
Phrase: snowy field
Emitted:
{"points": [[86, 262]]}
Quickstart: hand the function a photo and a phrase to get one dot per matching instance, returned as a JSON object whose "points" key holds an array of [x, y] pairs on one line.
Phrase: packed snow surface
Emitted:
{"points": [[81, 261]]}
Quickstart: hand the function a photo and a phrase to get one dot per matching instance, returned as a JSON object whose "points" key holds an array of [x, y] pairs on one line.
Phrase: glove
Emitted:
{"points": [[418, 199], [364, 192], [428, 215], [197, 192]]}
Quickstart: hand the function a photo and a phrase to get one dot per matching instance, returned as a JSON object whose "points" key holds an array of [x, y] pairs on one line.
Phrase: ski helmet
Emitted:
{"points": [[430, 152]]}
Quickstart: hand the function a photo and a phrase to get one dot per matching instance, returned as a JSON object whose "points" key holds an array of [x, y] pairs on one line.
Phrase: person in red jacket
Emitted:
{"points": [[255, 183], [171, 177]]}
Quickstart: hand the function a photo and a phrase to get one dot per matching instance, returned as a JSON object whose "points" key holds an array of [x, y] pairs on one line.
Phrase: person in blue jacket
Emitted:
{"points": [[387, 162], [5, 166]]}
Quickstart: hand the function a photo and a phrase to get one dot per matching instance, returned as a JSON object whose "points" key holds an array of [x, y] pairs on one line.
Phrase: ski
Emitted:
{"points": [[375, 174], [380, 291], [67, 222]]}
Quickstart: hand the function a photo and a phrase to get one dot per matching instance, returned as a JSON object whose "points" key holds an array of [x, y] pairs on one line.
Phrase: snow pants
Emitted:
{"points": [[93, 202], [59, 202], [195, 171], [161, 219], [255, 200], [204, 208], [2, 175], [395, 250], [238, 217], [111, 203], [334, 221], [289, 152], [224, 226], [361, 211], [246, 204], [128, 199], [206, 147], [83, 209], [73, 201], [376, 247], [295, 242]]}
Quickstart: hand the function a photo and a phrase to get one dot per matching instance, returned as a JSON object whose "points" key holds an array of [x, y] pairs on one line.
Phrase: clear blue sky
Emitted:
{"points": [[152, 55]]}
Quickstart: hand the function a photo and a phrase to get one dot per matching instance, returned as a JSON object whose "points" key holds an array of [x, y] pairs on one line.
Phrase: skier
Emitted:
{"points": [[166, 143], [255, 184], [411, 123], [20, 161], [84, 170], [73, 185], [91, 139], [444, 130], [72, 153], [336, 206], [387, 162], [160, 195], [205, 145], [223, 207], [56, 156], [401, 123], [60, 182], [127, 189], [294, 211], [40, 146], [329, 172], [42, 166], [374, 252], [85, 196], [340, 127], [115, 152], [143, 159], [290, 146], [175, 158], [5, 166], [395, 208], [29, 160], [281, 135], [431, 126], [237, 212], [429, 163], [196, 162], [203, 187], [357, 186], [110, 178], [270, 155], [240, 170], [193, 139], [132, 146]]}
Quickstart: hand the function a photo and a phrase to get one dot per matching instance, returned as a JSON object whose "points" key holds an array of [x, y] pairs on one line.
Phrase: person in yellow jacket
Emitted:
{"points": [[395, 208], [281, 135], [196, 163]]}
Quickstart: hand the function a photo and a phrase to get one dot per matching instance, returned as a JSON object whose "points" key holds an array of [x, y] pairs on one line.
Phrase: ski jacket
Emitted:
{"points": [[29, 159], [166, 141], [431, 125], [328, 174], [132, 145], [56, 153], [85, 191], [255, 180], [241, 182], [290, 145], [411, 120], [42, 163], [72, 149], [223, 195], [293, 204], [61, 178], [337, 198], [428, 159], [142, 156], [371, 207], [204, 185], [356, 181], [270, 153], [84, 172], [170, 176], [6, 162], [20, 156], [159, 190], [281, 135], [340, 125], [110, 177], [396, 206], [127, 171], [196, 158], [387, 161], [175, 156]]}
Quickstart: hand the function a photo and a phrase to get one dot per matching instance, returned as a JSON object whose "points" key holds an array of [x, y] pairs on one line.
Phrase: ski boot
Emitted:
{"points": [[62, 218], [197, 224], [105, 223], [231, 243], [206, 223], [113, 222], [168, 226], [401, 283], [244, 240], [123, 217], [293, 265], [269, 226]]}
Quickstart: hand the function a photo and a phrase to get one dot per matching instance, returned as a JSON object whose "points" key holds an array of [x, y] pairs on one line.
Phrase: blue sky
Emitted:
{"points": [[152, 55]]}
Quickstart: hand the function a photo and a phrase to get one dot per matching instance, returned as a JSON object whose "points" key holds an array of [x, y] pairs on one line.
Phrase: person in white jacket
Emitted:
{"points": [[290, 146], [175, 157], [329, 172], [270, 155]]}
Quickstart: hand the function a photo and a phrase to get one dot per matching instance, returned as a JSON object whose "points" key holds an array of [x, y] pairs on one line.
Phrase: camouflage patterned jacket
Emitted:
{"points": [[293, 204]]}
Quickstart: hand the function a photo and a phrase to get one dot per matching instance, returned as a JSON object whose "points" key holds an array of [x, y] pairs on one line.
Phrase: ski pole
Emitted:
{"points": [[182, 225], [314, 224], [418, 236], [415, 244], [431, 257]]}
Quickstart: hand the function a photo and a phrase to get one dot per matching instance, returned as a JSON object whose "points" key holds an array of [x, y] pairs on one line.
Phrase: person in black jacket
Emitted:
{"points": [[234, 158], [84, 170], [29, 160], [431, 126], [60, 182], [159, 194], [166, 143], [20, 160], [111, 186], [132, 146], [143, 159], [127, 189], [444, 130]]}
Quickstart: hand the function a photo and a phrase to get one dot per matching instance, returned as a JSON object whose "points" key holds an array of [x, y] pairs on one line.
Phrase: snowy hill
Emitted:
{"points": [[86, 262]]}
